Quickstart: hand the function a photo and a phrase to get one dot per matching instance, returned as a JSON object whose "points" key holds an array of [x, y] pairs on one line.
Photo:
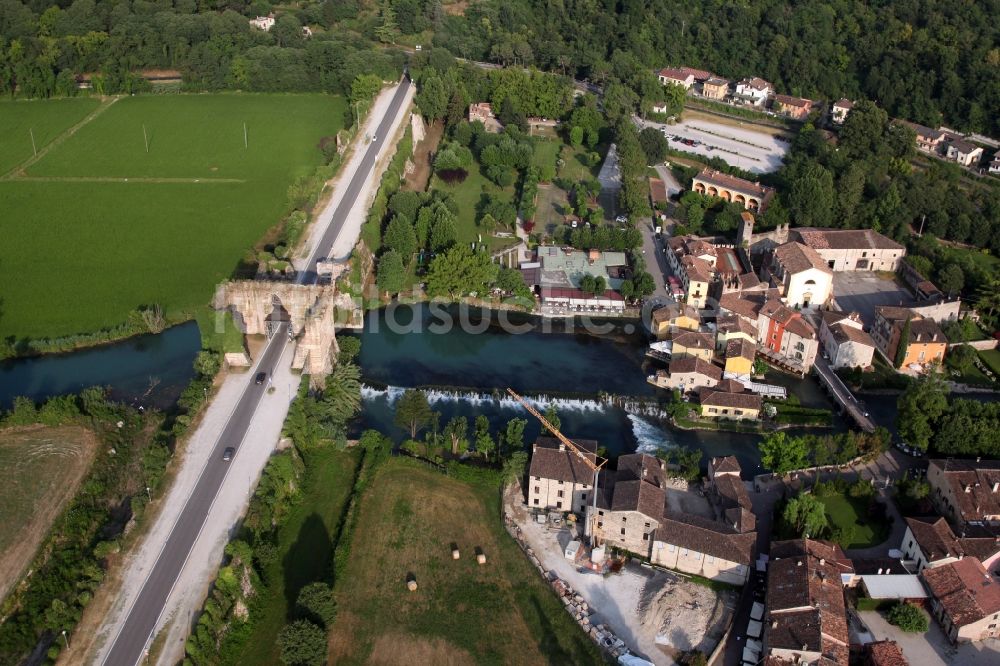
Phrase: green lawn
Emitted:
{"points": [[47, 119], [546, 152], [991, 357], [305, 550], [79, 254], [575, 166], [467, 195], [500, 612], [844, 512]]}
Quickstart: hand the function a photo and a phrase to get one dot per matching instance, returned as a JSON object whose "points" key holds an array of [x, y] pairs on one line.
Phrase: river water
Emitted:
{"points": [[597, 382]]}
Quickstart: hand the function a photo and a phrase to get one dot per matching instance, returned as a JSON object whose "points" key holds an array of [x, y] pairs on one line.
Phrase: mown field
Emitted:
{"points": [[40, 469], [99, 226], [47, 119], [462, 612]]}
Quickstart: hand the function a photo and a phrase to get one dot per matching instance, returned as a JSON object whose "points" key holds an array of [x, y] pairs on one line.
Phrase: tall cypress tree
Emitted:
{"points": [[904, 343]]}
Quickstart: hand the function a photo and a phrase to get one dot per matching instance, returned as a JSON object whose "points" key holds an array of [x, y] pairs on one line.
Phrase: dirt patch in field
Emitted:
{"points": [[456, 8], [40, 470], [423, 155], [406, 649]]}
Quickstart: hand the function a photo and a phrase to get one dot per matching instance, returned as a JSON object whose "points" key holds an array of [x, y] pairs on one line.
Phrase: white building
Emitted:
{"points": [[995, 164], [754, 90], [677, 77], [844, 340], [803, 276], [264, 23], [558, 479], [963, 152], [840, 109], [853, 249]]}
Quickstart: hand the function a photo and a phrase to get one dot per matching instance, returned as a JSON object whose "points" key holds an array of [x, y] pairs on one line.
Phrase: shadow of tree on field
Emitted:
{"points": [[310, 559]]}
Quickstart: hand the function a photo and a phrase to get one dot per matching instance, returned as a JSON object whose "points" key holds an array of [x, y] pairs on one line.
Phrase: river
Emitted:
{"points": [[597, 382]]}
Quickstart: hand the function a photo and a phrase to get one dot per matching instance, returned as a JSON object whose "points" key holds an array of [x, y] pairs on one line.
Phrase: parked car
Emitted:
{"points": [[228, 454]]}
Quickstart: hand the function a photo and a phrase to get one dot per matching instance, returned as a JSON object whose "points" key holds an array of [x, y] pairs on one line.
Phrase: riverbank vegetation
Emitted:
{"points": [[143, 216], [781, 453]]}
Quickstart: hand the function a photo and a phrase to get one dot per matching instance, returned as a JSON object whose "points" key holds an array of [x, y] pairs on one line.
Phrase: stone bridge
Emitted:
{"points": [[312, 313]]}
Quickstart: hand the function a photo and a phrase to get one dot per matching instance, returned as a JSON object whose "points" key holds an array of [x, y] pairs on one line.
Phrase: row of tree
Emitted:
{"points": [[928, 420]]}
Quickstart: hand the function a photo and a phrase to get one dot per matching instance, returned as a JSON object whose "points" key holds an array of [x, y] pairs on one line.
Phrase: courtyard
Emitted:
{"points": [[861, 291]]}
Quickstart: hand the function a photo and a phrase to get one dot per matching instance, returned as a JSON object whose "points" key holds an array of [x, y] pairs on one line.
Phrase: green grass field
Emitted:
{"points": [[991, 357], [500, 612], [843, 511], [305, 549], [546, 152], [47, 119], [85, 242], [467, 195]]}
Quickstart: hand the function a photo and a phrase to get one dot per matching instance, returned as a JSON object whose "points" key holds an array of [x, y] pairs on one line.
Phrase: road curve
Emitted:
{"points": [[130, 643]]}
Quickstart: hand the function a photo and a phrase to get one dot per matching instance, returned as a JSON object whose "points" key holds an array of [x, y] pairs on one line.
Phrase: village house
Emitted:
{"points": [[928, 140], [786, 337], [965, 600], [674, 316], [728, 400], [264, 23], [750, 195], [715, 88], [692, 343], [792, 107], [805, 616], [930, 542], [995, 164], [634, 514], [740, 353], [700, 75], [966, 491], [840, 109], [753, 91], [801, 274], [677, 77], [558, 479], [730, 327], [558, 273], [927, 344], [689, 373], [696, 277], [963, 152], [844, 341], [853, 249], [482, 112]]}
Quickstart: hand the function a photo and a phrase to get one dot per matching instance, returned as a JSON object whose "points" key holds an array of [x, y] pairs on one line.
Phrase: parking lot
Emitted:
{"points": [[740, 144], [862, 292]]}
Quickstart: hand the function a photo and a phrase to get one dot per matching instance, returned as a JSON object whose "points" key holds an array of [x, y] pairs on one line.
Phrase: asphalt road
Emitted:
{"points": [[129, 644]]}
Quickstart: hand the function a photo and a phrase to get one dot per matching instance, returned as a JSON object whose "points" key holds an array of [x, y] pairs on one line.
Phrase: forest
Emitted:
{"points": [[926, 61]]}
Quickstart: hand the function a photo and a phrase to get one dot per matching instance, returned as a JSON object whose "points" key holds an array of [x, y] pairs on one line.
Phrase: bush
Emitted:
{"points": [[302, 643], [316, 604], [908, 617]]}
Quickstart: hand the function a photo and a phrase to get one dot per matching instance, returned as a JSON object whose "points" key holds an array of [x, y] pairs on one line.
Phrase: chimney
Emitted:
{"points": [[822, 561], [880, 571], [799, 563], [968, 488], [774, 624], [562, 447], [887, 571], [996, 486], [644, 471]]}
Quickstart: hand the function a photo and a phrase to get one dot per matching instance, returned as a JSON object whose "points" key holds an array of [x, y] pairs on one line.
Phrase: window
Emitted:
{"points": [[646, 525], [624, 519], [537, 489], [671, 547], [864, 254], [713, 410], [560, 483], [559, 494], [536, 501], [738, 412], [623, 530], [599, 524], [725, 411], [600, 513], [558, 505], [710, 559], [583, 497], [645, 537]]}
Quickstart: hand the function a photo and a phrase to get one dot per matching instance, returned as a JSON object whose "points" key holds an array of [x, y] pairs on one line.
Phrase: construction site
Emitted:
{"points": [[637, 612]]}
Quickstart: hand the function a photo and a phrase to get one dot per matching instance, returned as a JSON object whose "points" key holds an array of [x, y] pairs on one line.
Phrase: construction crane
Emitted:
{"points": [[593, 461]]}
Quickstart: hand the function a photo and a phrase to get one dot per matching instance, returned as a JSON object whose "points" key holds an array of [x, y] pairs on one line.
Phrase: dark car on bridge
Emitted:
{"points": [[259, 379]]}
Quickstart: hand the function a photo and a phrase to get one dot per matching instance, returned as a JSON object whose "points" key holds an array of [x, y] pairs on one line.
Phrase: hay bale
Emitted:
{"points": [[411, 585], [481, 558], [455, 554]]}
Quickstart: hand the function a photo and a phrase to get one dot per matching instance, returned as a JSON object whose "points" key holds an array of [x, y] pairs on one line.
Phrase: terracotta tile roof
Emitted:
{"points": [[732, 492], [843, 333], [935, 538], [695, 364], [693, 340], [730, 182], [725, 465], [732, 323], [749, 281], [844, 104], [633, 466], [884, 653], [972, 485], [717, 81], [706, 536], [730, 386], [748, 306], [846, 239], [715, 398], [548, 462], [963, 146], [672, 311], [698, 270], [796, 257], [675, 74], [788, 100], [756, 83], [925, 330], [698, 74], [805, 598], [964, 589], [741, 347], [800, 327], [893, 313], [639, 496]]}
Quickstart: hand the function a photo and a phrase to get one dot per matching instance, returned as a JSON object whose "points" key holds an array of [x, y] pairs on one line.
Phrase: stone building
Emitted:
{"points": [[801, 274], [853, 249], [966, 491], [558, 479], [844, 340], [750, 195], [965, 600], [927, 343]]}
